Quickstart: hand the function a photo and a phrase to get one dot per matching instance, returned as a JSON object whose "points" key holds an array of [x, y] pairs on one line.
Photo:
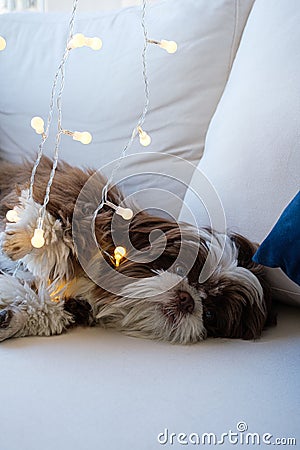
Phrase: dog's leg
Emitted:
{"points": [[27, 312]]}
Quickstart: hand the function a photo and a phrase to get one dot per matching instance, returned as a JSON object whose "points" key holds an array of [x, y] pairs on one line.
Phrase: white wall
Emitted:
{"points": [[90, 5], [65, 5]]}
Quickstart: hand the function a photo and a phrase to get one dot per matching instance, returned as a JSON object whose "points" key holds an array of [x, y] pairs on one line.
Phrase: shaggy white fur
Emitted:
{"points": [[149, 305], [35, 312], [53, 257]]}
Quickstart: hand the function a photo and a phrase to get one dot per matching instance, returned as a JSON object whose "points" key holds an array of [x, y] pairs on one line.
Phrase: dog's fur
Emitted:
{"points": [[45, 291]]}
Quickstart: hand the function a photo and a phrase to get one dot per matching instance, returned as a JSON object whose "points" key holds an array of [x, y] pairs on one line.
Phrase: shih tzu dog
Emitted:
{"points": [[157, 290]]}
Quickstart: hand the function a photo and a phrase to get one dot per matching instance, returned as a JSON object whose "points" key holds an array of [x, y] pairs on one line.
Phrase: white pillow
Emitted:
{"points": [[104, 91], [252, 153]]}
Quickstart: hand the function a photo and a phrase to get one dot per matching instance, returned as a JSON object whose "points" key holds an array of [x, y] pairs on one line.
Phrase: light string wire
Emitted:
{"points": [[140, 122], [60, 72], [38, 239]]}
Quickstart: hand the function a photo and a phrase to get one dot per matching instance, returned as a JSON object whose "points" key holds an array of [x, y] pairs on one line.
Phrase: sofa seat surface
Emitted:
{"points": [[97, 389]]}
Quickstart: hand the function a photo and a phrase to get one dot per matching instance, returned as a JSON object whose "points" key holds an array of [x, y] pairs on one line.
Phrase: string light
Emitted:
{"points": [[77, 41], [37, 124], [94, 43], [145, 139], [119, 254], [38, 240], [139, 123], [125, 213], [82, 136], [2, 43], [80, 40], [12, 216], [169, 46]]}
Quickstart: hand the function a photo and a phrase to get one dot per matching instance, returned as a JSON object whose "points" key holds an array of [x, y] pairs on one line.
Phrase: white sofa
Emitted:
{"points": [[232, 92]]}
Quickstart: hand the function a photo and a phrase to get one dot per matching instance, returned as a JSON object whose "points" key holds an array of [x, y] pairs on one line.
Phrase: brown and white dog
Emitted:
{"points": [[156, 292]]}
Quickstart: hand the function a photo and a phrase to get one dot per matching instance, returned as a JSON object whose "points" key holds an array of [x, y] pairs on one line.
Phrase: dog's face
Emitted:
{"points": [[167, 298]]}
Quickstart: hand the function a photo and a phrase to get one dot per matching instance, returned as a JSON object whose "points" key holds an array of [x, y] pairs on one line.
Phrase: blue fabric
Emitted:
{"points": [[281, 248]]}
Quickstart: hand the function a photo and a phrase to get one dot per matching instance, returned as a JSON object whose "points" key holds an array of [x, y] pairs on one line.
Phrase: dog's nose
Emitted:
{"points": [[185, 302]]}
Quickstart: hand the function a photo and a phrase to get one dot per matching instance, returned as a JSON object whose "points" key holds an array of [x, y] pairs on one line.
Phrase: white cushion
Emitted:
{"points": [[104, 91], [97, 389], [252, 154]]}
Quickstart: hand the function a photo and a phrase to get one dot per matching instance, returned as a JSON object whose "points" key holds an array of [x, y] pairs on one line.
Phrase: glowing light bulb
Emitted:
{"points": [[80, 40], [2, 43], [125, 213], [94, 43], [84, 137], [119, 254], [12, 216], [37, 124], [145, 139], [169, 46], [38, 239], [77, 41]]}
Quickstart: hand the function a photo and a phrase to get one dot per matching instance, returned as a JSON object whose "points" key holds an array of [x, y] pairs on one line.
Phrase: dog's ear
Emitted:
{"points": [[231, 316], [253, 321], [235, 307], [246, 250]]}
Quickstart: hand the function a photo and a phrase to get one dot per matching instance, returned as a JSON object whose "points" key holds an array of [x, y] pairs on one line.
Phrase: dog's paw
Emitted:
{"points": [[16, 243], [11, 322]]}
